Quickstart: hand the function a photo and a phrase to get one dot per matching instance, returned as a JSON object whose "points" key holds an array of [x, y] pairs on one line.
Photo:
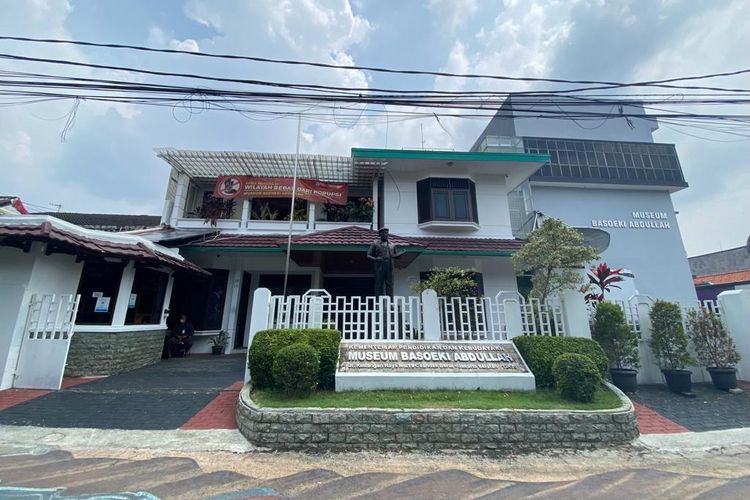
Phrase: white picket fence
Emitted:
{"points": [[403, 317]]}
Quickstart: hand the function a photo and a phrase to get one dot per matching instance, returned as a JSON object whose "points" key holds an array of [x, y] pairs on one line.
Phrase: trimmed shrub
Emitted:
{"points": [[267, 343], [619, 342], [540, 353], [669, 342], [577, 377], [295, 369], [714, 347]]}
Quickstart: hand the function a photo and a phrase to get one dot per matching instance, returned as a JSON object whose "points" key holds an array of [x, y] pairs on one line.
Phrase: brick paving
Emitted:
{"points": [[13, 397], [219, 413], [650, 422], [710, 410], [158, 397]]}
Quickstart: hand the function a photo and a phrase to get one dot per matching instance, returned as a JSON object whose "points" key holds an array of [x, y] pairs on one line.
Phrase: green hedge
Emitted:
{"points": [[296, 369], [540, 353], [267, 344], [577, 377]]}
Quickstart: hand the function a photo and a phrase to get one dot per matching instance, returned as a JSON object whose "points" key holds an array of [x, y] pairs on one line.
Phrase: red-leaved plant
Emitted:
{"points": [[602, 278]]}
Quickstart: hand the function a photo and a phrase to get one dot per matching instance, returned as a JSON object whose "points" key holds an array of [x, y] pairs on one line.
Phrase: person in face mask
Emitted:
{"points": [[181, 339]]}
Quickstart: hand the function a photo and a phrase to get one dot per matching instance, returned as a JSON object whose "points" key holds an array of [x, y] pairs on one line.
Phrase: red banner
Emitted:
{"points": [[246, 186]]}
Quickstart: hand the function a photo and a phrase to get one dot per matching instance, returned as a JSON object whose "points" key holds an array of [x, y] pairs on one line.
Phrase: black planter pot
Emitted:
{"points": [[217, 349], [678, 380], [624, 379], [723, 378]]}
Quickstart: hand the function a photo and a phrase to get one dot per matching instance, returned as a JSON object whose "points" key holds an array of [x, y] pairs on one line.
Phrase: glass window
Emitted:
{"points": [[98, 287], [446, 199], [200, 298], [440, 204], [146, 301], [461, 208]]}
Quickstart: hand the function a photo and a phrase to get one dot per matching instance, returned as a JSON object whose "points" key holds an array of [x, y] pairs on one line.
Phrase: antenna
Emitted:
{"points": [[56, 205], [421, 131]]}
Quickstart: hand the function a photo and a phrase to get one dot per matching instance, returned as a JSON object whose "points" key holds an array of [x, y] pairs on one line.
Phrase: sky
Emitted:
{"points": [[104, 161]]}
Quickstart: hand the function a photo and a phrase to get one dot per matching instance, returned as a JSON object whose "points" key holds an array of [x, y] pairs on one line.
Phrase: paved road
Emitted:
{"points": [[161, 396], [57, 474]]}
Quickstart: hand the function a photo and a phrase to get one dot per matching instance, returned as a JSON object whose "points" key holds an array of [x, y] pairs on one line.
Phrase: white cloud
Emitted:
{"points": [[203, 13], [456, 12], [188, 44]]}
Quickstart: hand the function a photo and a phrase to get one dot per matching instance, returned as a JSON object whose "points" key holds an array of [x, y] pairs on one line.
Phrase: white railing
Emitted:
{"points": [[542, 318], [51, 317], [404, 318], [357, 318]]}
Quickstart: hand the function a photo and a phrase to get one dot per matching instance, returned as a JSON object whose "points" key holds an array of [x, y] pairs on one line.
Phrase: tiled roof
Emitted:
{"points": [[107, 222], [242, 241], [128, 246], [723, 278], [470, 244], [358, 236], [349, 235]]}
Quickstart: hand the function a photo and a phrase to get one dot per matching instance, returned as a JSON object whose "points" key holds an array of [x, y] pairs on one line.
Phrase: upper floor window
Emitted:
{"points": [[443, 199]]}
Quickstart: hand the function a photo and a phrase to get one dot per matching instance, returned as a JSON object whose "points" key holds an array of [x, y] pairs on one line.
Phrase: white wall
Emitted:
{"points": [[21, 275], [497, 272], [657, 257], [400, 204]]}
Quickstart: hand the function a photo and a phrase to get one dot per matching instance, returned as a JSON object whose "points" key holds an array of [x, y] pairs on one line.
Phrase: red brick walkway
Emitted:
{"points": [[13, 397], [651, 422], [219, 413]]}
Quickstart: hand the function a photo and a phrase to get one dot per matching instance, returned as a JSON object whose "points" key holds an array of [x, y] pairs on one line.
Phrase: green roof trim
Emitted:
{"points": [[418, 154]]}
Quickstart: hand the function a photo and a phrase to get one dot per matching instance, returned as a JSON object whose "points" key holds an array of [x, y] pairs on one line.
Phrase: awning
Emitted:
{"points": [[20, 231]]}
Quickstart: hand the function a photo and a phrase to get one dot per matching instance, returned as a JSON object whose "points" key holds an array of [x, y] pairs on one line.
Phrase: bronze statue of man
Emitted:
{"points": [[383, 253]]}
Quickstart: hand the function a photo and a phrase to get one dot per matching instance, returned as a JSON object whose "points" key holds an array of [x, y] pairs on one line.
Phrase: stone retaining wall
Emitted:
{"points": [[433, 430], [107, 353]]}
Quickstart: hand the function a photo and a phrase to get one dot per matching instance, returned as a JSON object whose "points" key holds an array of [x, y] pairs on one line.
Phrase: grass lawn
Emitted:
{"points": [[483, 400]]}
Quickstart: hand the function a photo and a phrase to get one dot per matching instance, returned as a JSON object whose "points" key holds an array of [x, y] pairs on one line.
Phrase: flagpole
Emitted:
{"points": [[294, 194]]}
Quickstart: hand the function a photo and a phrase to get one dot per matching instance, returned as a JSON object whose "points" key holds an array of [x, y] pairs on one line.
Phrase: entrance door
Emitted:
{"points": [[46, 338], [239, 336]]}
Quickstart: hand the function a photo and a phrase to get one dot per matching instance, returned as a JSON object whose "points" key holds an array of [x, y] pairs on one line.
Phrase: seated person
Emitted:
{"points": [[181, 339]]}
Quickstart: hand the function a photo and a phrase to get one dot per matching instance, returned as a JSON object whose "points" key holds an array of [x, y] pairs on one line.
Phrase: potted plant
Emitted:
{"points": [[714, 347], [218, 342], [669, 343], [619, 343]]}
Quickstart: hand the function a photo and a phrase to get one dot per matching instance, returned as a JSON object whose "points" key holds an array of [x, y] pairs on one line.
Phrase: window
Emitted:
{"points": [[441, 199], [146, 301], [98, 287], [200, 299]]}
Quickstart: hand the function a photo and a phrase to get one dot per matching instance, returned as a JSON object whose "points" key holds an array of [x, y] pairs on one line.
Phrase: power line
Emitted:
{"points": [[369, 68]]}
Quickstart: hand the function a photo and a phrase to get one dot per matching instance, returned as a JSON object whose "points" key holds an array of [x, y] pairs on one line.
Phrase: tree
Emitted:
{"points": [[618, 341], [553, 256], [450, 282], [669, 342]]}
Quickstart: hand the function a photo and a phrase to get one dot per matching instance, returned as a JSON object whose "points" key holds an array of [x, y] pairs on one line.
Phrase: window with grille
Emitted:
{"points": [[444, 199]]}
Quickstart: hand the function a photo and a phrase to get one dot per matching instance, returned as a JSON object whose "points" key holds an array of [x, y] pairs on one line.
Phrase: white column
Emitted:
{"points": [[258, 319], [649, 372], [513, 318], [123, 295], [245, 213], [167, 300], [734, 307], [575, 316], [375, 196], [178, 209], [431, 315], [311, 208], [233, 304]]}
